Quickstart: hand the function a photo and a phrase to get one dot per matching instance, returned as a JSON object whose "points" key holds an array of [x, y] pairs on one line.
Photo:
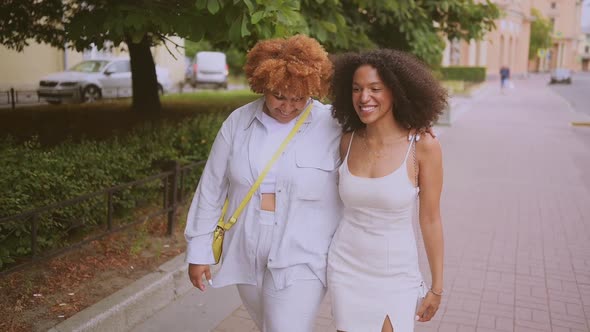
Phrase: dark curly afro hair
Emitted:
{"points": [[298, 65], [417, 96]]}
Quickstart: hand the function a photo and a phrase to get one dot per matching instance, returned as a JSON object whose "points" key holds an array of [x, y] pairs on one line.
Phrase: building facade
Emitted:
{"points": [[565, 16], [508, 44]]}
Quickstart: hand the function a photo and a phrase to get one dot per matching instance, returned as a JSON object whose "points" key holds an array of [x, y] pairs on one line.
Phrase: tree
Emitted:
{"points": [[541, 29], [411, 25], [24, 20], [416, 26], [143, 24], [420, 26]]}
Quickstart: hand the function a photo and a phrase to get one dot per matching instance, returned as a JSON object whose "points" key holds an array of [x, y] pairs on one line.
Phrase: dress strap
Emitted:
{"points": [[349, 145], [412, 139]]}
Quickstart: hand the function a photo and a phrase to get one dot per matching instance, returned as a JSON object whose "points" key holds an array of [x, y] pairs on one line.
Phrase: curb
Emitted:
{"points": [[456, 104], [135, 303], [581, 119]]}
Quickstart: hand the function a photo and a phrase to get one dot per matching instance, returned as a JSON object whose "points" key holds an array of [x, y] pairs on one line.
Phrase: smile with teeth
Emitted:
{"points": [[368, 108]]}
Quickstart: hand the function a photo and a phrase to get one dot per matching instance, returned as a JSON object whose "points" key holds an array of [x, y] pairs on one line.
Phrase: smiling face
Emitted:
{"points": [[371, 98], [283, 107]]}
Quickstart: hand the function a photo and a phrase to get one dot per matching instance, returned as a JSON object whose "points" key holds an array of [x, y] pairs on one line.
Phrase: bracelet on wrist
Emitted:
{"points": [[440, 293]]}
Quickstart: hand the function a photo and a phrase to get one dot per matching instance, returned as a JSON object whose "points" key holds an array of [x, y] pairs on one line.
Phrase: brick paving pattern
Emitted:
{"points": [[516, 214]]}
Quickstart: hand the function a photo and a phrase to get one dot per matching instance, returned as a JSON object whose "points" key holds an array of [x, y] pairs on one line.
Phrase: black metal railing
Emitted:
{"points": [[173, 194], [13, 97]]}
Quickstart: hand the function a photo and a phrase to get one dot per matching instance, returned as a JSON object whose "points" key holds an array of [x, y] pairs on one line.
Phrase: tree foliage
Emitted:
{"points": [[541, 29], [25, 20], [417, 26], [420, 26]]}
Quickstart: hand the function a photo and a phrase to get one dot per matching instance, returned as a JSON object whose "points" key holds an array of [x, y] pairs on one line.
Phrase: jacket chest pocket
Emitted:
{"points": [[315, 172]]}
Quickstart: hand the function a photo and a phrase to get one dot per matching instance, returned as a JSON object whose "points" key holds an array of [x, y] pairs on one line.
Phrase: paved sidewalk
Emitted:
{"points": [[516, 214]]}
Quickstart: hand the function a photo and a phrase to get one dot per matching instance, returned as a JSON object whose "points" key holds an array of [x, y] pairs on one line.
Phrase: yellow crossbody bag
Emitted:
{"points": [[223, 226]]}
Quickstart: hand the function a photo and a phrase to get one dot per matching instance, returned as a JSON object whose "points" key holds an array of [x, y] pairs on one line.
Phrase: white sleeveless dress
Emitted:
{"points": [[373, 267]]}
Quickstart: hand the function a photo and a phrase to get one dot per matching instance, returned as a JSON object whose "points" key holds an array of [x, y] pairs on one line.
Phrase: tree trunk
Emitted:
{"points": [[143, 76]]}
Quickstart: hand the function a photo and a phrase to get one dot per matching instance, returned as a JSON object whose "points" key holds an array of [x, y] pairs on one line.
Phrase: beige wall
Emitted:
{"points": [[163, 58], [566, 15], [507, 45], [22, 70]]}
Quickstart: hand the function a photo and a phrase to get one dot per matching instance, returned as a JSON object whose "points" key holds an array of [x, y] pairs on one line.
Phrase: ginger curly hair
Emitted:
{"points": [[298, 65], [418, 97]]}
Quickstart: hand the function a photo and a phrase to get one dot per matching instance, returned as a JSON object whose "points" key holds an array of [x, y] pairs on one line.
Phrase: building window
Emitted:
{"points": [[552, 21], [587, 49], [553, 5]]}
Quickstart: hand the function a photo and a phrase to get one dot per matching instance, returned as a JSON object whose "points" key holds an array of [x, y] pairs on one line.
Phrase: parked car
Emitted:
{"points": [[208, 69], [91, 80], [561, 75]]}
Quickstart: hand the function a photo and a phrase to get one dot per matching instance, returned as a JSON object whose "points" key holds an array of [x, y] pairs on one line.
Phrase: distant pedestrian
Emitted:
{"points": [[504, 76], [381, 98]]}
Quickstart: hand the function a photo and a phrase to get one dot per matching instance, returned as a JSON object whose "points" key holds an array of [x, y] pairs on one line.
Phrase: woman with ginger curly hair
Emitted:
{"points": [[276, 253], [380, 98]]}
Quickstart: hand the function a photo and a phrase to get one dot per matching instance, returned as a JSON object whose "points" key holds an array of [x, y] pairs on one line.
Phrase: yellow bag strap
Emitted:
{"points": [[267, 168]]}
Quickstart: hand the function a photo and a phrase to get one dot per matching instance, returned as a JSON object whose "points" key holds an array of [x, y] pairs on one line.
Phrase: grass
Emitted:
{"points": [[459, 88], [204, 101], [454, 87], [55, 123], [140, 240], [168, 100], [209, 96], [237, 79]]}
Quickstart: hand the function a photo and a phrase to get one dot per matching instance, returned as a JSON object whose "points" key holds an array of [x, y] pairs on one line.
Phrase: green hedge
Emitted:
{"points": [[469, 74], [34, 176], [53, 124]]}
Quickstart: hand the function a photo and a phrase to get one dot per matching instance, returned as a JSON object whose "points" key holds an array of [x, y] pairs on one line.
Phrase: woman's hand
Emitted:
{"points": [[195, 274], [429, 307]]}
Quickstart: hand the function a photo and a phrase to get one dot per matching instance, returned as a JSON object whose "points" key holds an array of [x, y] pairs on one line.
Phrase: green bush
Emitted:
{"points": [[53, 124], [469, 74], [35, 176]]}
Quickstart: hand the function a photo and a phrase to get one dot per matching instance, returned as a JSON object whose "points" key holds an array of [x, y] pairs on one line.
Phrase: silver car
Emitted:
{"points": [[91, 80]]}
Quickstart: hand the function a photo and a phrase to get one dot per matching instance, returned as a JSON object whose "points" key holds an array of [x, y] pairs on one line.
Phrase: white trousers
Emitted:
{"points": [[291, 309]]}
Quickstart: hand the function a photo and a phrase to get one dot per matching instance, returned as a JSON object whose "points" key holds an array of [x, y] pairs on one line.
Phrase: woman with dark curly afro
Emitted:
{"points": [[388, 174], [276, 252]]}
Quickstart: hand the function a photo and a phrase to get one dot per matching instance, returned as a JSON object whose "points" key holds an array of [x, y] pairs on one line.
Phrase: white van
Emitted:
{"points": [[208, 69]]}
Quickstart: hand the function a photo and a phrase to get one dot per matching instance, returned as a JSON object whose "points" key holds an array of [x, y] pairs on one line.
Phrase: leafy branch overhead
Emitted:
{"points": [[417, 26], [414, 25]]}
